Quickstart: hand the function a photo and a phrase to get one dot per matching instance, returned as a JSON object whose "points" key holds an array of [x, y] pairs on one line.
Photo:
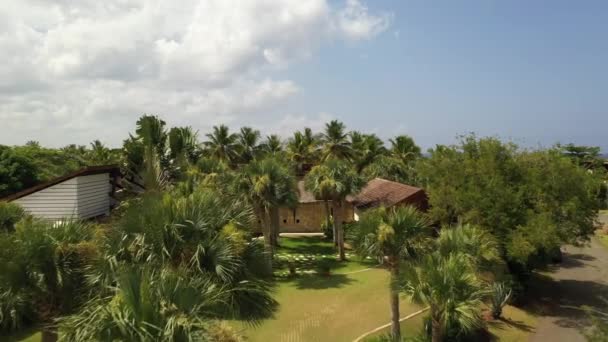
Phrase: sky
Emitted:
{"points": [[533, 72]]}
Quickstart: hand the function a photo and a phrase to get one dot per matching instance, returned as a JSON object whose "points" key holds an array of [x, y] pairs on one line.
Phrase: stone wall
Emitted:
{"points": [[308, 217]]}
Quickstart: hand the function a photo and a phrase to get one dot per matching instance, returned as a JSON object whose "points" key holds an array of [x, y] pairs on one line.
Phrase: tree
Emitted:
{"points": [[222, 144], [302, 149], [335, 142], [44, 265], [268, 185], [334, 180], [404, 148], [248, 144], [183, 145], [272, 146], [392, 235], [447, 280], [367, 149], [17, 172], [530, 201]]}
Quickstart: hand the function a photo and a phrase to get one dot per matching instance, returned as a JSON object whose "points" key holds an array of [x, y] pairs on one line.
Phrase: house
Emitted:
{"points": [[381, 192], [83, 194], [310, 213]]}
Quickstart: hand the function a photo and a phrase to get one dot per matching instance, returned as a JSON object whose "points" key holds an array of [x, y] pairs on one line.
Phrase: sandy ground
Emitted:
{"points": [[581, 279]]}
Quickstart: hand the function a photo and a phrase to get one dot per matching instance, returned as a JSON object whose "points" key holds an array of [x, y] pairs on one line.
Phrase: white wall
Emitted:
{"points": [[82, 197]]}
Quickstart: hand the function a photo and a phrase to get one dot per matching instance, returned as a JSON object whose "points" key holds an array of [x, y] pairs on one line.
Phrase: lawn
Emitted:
{"points": [[339, 307], [514, 325]]}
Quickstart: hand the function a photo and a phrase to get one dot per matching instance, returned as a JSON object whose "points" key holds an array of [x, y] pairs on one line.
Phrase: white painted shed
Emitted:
{"points": [[83, 194]]}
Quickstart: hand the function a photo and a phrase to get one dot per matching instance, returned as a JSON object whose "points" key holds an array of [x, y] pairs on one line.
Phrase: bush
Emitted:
{"points": [[501, 293], [10, 214], [15, 311], [328, 228]]}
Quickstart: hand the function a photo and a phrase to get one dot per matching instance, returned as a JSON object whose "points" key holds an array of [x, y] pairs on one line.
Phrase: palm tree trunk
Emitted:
{"points": [[394, 299], [328, 221], [339, 231], [274, 226], [266, 231], [436, 328]]}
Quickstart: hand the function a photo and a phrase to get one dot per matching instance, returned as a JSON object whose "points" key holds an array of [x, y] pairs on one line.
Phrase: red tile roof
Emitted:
{"points": [[382, 192]]}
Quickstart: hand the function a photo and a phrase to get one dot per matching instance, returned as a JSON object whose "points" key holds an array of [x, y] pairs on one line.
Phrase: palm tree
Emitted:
{"points": [[392, 235], [335, 141], [367, 148], [248, 144], [269, 185], [222, 144], [273, 145], [334, 180], [302, 149], [448, 281], [145, 305], [42, 272], [183, 145], [404, 148]]}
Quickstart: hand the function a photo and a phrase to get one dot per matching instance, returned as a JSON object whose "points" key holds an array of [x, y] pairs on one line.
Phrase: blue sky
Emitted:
{"points": [[531, 71]]}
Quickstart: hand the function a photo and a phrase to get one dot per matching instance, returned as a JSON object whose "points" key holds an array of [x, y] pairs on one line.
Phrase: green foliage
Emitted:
{"points": [[500, 295], [222, 144], [10, 214], [335, 143], [530, 201], [17, 171]]}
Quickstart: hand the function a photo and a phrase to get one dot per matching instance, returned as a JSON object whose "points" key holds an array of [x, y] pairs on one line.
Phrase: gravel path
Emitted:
{"points": [[581, 279]]}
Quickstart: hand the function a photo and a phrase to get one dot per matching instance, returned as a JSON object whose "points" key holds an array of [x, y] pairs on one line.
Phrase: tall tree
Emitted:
{"points": [[392, 236], [302, 149], [335, 142], [367, 148], [404, 148], [335, 179], [222, 144], [248, 144], [269, 185], [183, 145], [272, 146]]}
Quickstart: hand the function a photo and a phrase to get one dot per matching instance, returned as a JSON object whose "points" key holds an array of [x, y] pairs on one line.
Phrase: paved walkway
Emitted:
{"points": [[581, 279]]}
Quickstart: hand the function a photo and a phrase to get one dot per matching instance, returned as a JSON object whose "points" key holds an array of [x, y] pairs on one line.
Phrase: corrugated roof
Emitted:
{"points": [[92, 170], [383, 192]]}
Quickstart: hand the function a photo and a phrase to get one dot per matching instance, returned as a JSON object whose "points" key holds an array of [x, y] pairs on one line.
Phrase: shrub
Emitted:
{"points": [[501, 293], [10, 213], [15, 311]]}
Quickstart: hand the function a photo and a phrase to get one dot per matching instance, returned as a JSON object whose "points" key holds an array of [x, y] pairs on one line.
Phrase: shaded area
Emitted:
{"points": [[559, 294]]}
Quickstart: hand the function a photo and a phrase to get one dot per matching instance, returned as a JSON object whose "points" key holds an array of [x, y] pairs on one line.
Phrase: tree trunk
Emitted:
{"points": [[274, 226], [436, 328], [394, 299], [339, 230], [266, 231], [328, 222], [49, 334]]}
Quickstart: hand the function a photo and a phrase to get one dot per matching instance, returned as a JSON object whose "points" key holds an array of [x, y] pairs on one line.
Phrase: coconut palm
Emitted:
{"points": [[272, 145], [302, 149], [334, 180], [183, 145], [269, 185], [392, 235], [404, 148], [222, 144], [248, 144], [335, 143], [367, 148], [447, 280]]}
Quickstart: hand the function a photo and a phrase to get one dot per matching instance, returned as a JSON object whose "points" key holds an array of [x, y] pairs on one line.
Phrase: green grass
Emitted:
{"points": [[29, 335], [602, 238], [339, 307]]}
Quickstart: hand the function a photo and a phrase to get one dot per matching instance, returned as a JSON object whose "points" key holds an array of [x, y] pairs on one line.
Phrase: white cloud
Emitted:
{"points": [[79, 70]]}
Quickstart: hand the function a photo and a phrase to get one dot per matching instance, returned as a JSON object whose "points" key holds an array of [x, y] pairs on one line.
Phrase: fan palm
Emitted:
{"points": [[268, 185], [183, 145], [334, 180], [222, 144], [447, 280], [392, 235], [335, 142]]}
